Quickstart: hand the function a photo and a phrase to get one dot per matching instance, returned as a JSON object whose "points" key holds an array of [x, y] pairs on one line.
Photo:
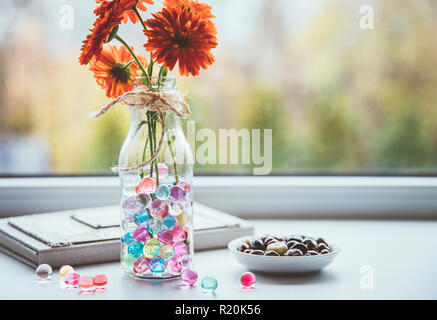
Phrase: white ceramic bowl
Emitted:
{"points": [[282, 264]]}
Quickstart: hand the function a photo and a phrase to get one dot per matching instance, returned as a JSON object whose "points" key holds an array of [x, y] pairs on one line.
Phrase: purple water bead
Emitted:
{"points": [[165, 236], [177, 194], [130, 206], [157, 265], [189, 277], [180, 249], [185, 185], [179, 234], [143, 200], [159, 209], [174, 265], [141, 234]]}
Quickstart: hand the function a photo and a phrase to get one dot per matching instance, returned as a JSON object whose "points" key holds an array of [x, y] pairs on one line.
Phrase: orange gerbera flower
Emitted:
{"points": [[109, 15], [130, 14], [112, 71], [200, 8], [183, 37]]}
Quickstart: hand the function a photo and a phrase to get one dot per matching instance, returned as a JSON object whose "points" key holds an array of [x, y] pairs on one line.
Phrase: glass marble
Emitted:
{"points": [[179, 234], [154, 226], [71, 279], [141, 217], [174, 266], [180, 249], [177, 208], [165, 236], [166, 252], [189, 277], [177, 194], [130, 206], [185, 185], [128, 238], [162, 192], [209, 284], [143, 200], [147, 185], [183, 219], [141, 265], [169, 222], [159, 209], [135, 249], [44, 272], [65, 269], [100, 280], [248, 280], [151, 249], [141, 234], [86, 283], [157, 265]]}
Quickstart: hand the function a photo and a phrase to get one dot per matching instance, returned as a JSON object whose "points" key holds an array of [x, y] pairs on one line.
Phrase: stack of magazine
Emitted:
{"points": [[93, 235]]}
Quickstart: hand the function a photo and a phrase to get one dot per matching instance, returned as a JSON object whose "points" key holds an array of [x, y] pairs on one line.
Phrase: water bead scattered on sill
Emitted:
{"points": [[169, 222], [157, 265], [165, 236], [44, 272], [162, 192], [86, 283], [141, 265], [100, 281], [159, 209], [166, 252], [177, 194], [65, 269], [189, 277], [248, 280], [71, 279], [135, 249], [147, 185], [141, 217], [154, 226], [141, 234], [209, 284]]}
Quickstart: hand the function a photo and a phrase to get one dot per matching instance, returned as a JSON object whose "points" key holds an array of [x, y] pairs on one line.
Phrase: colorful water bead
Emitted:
{"points": [[248, 280], [189, 277], [71, 279], [130, 206], [177, 194], [141, 265], [162, 170], [183, 219], [154, 226], [159, 209], [157, 265], [147, 185], [169, 222], [141, 234], [135, 249], [141, 217], [166, 252], [143, 200], [177, 208], [65, 269], [185, 185], [209, 284], [174, 265], [44, 272], [186, 261], [128, 238], [86, 283], [180, 249], [162, 192], [179, 234], [100, 280], [165, 236], [151, 249]]}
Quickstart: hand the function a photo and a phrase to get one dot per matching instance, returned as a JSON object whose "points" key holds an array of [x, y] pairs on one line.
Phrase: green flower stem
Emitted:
{"points": [[135, 9], [132, 53]]}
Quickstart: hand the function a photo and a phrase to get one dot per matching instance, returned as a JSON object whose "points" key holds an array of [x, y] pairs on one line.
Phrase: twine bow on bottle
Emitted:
{"points": [[161, 102]]}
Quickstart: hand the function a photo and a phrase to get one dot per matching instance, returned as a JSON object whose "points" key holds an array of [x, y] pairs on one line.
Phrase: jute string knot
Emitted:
{"points": [[142, 98]]}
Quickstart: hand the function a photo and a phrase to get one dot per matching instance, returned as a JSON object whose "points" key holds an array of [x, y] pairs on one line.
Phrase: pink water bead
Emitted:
{"points": [[189, 277], [180, 249], [185, 185], [165, 236], [159, 209], [174, 265], [100, 280], [147, 185], [248, 280], [141, 265], [162, 170], [141, 234], [71, 279], [179, 234], [86, 283]]}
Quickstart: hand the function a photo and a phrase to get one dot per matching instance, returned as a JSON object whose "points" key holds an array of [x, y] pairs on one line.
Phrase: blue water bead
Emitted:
{"points": [[128, 238], [157, 265], [209, 284], [141, 217], [169, 222], [135, 249], [162, 192], [154, 226]]}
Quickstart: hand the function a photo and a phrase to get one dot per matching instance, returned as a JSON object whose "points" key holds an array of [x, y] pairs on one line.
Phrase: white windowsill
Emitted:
{"points": [[250, 197]]}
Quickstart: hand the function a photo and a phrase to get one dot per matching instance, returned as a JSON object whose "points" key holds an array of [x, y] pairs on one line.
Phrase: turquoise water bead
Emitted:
{"points": [[141, 217], [162, 192], [135, 249], [157, 265], [154, 226], [169, 222], [128, 238], [209, 284]]}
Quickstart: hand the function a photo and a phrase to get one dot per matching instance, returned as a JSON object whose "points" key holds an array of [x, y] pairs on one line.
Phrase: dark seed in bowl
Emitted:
{"points": [[271, 253], [247, 251], [257, 244], [295, 238], [312, 253], [243, 247], [321, 240], [269, 240], [294, 252], [325, 251], [310, 243], [257, 252], [291, 243], [322, 246], [303, 248]]}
